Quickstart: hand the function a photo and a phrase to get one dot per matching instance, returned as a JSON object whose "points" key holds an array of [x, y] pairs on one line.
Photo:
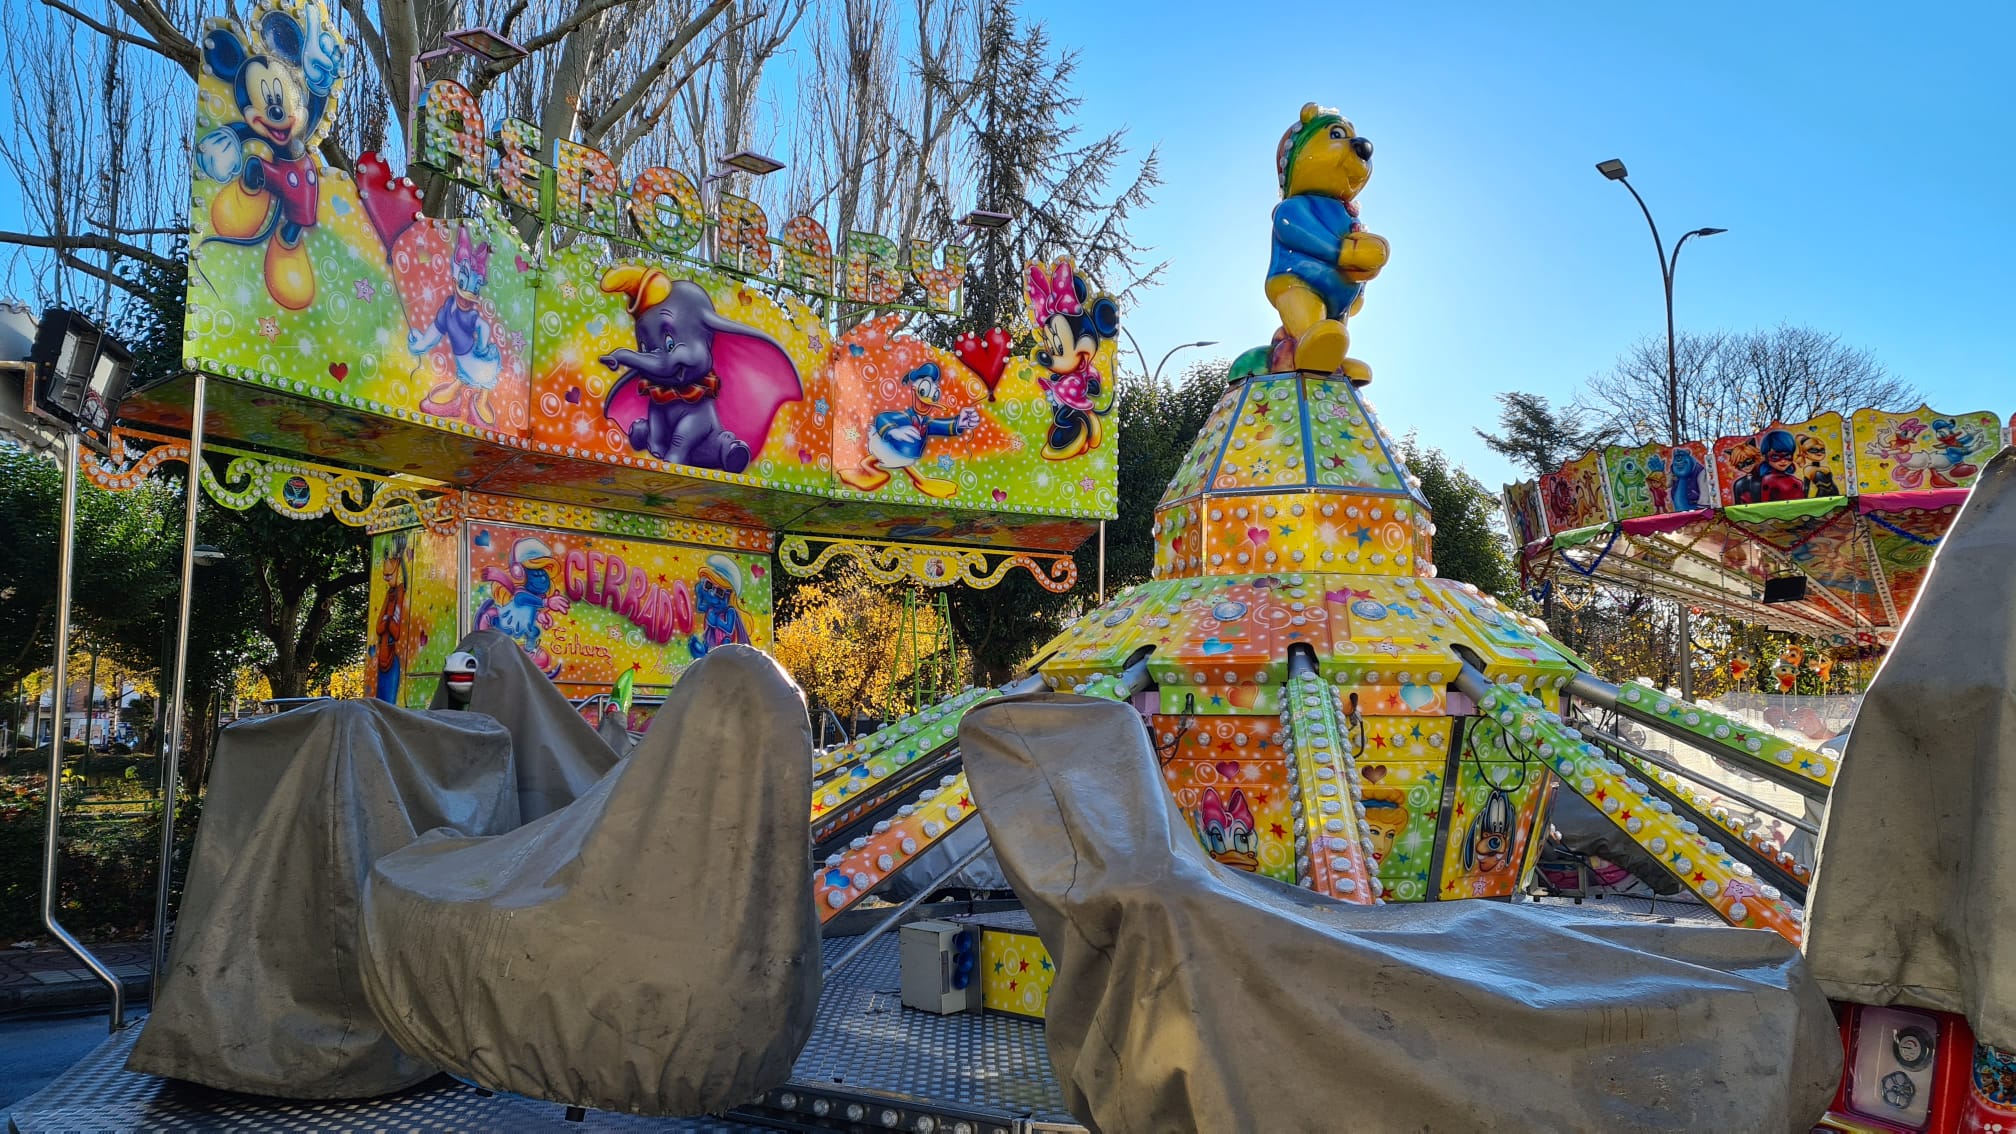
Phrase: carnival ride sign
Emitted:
{"points": [[669, 333]]}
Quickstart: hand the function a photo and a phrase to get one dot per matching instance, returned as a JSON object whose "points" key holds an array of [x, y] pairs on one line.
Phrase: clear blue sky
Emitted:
{"points": [[1857, 153]]}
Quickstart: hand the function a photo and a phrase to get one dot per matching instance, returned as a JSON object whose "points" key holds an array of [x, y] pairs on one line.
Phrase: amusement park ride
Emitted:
{"points": [[600, 445]]}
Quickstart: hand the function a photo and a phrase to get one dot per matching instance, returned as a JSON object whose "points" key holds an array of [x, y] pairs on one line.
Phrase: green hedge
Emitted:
{"points": [[105, 872]]}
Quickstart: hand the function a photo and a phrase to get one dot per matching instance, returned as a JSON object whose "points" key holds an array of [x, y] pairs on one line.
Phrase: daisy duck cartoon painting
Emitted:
{"points": [[460, 324], [1072, 325]]}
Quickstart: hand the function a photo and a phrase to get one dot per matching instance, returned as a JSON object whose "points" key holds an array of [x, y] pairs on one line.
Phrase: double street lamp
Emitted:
{"points": [[1668, 262], [1155, 377], [1614, 170]]}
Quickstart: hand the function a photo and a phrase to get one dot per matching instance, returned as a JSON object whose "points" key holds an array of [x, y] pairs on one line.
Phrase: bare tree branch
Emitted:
{"points": [[107, 30], [168, 39], [92, 241], [594, 130]]}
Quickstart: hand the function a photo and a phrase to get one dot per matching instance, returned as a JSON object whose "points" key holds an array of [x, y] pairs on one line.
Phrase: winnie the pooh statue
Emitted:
{"points": [[1322, 255]]}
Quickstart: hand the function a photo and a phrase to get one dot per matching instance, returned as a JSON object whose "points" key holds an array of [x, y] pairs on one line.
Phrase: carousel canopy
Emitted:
{"points": [[1823, 527]]}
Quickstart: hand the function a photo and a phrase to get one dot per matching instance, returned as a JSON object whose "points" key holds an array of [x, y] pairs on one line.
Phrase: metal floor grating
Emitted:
{"points": [[863, 1040]]}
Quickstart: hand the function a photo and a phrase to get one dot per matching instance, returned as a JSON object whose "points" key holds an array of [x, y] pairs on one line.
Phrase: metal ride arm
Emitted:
{"points": [[895, 916], [845, 878], [1803, 770], [1323, 746], [862, 781], [1731, 888], [1664, 781], [59, 681]]}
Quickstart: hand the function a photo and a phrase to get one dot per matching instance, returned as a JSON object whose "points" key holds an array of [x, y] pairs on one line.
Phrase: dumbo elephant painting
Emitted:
{"points": [[701, 389]]}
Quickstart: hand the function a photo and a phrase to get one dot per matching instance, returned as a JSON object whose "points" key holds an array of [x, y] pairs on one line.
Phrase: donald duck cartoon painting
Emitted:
{"points": [[898, 438]]}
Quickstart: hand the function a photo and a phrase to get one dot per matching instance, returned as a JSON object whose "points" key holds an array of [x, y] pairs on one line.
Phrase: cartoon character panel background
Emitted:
{"points": [[412, 614], [1921, 448], [1498, 799], [587, 608], [1229, 775], [335, 288]]}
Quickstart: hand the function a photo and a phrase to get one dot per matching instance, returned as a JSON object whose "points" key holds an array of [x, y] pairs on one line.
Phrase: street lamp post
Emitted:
{"points": [[1156, 375], [1668, 262], [1614, 170]]}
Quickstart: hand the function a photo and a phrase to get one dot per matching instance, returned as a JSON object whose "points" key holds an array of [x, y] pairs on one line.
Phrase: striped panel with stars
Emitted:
{"points": [[1016, 972], [1701, 864], [1332, 839], [848, 876], [851, 875]]}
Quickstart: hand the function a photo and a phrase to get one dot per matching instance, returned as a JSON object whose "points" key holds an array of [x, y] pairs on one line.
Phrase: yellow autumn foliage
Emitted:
{"points": [[843, 640]]}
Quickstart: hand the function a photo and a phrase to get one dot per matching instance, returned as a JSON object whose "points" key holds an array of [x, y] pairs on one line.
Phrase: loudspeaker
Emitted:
{"points": [[1785, 588]]}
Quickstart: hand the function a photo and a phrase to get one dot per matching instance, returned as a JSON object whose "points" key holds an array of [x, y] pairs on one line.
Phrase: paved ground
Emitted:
{"points": [[50, 979], [36, 1049]]}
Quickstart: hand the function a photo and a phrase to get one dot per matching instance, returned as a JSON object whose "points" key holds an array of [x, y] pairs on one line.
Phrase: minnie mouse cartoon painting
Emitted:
{"points": [[281, 90], [1072, 324]]}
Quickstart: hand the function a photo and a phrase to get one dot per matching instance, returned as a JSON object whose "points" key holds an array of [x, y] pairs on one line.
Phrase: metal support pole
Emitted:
{"points": [[192, 493], [60, 694], [1102, 561], [895, 916], [1686, 655]]}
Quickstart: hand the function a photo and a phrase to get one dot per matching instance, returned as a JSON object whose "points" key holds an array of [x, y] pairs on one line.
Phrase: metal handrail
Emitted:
{"points": [[1679, 769], [59, 681]]}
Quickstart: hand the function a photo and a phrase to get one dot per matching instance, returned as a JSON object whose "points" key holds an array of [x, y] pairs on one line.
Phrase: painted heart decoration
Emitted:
{"points": [[1373, 774], [339, 370], [1214, 646], [1257, 535], [1417, 696], [1228, 769], [985, 355], [392, 203]]}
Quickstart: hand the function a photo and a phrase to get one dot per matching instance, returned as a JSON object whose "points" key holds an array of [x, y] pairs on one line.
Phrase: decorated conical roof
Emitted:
{"points": [[1291, 472]]}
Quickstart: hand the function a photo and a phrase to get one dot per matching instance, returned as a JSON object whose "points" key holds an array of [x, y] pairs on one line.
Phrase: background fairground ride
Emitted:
{"points": [[1823, 528]]}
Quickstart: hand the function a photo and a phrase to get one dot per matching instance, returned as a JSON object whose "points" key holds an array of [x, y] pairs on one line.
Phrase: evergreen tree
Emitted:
{"points": [[1031, 164], [1468, 545], [1537, 437]]}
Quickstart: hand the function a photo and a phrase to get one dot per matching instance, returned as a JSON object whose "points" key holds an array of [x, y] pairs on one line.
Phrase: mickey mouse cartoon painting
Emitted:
{"points": [[282, 86]]}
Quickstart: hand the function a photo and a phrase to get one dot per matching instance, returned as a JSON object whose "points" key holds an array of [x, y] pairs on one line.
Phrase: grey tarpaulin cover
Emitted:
{"points": [[263, 992], [1586, 830], [1190, 996], [652, 947], [558, 756], [1914, 897]]}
